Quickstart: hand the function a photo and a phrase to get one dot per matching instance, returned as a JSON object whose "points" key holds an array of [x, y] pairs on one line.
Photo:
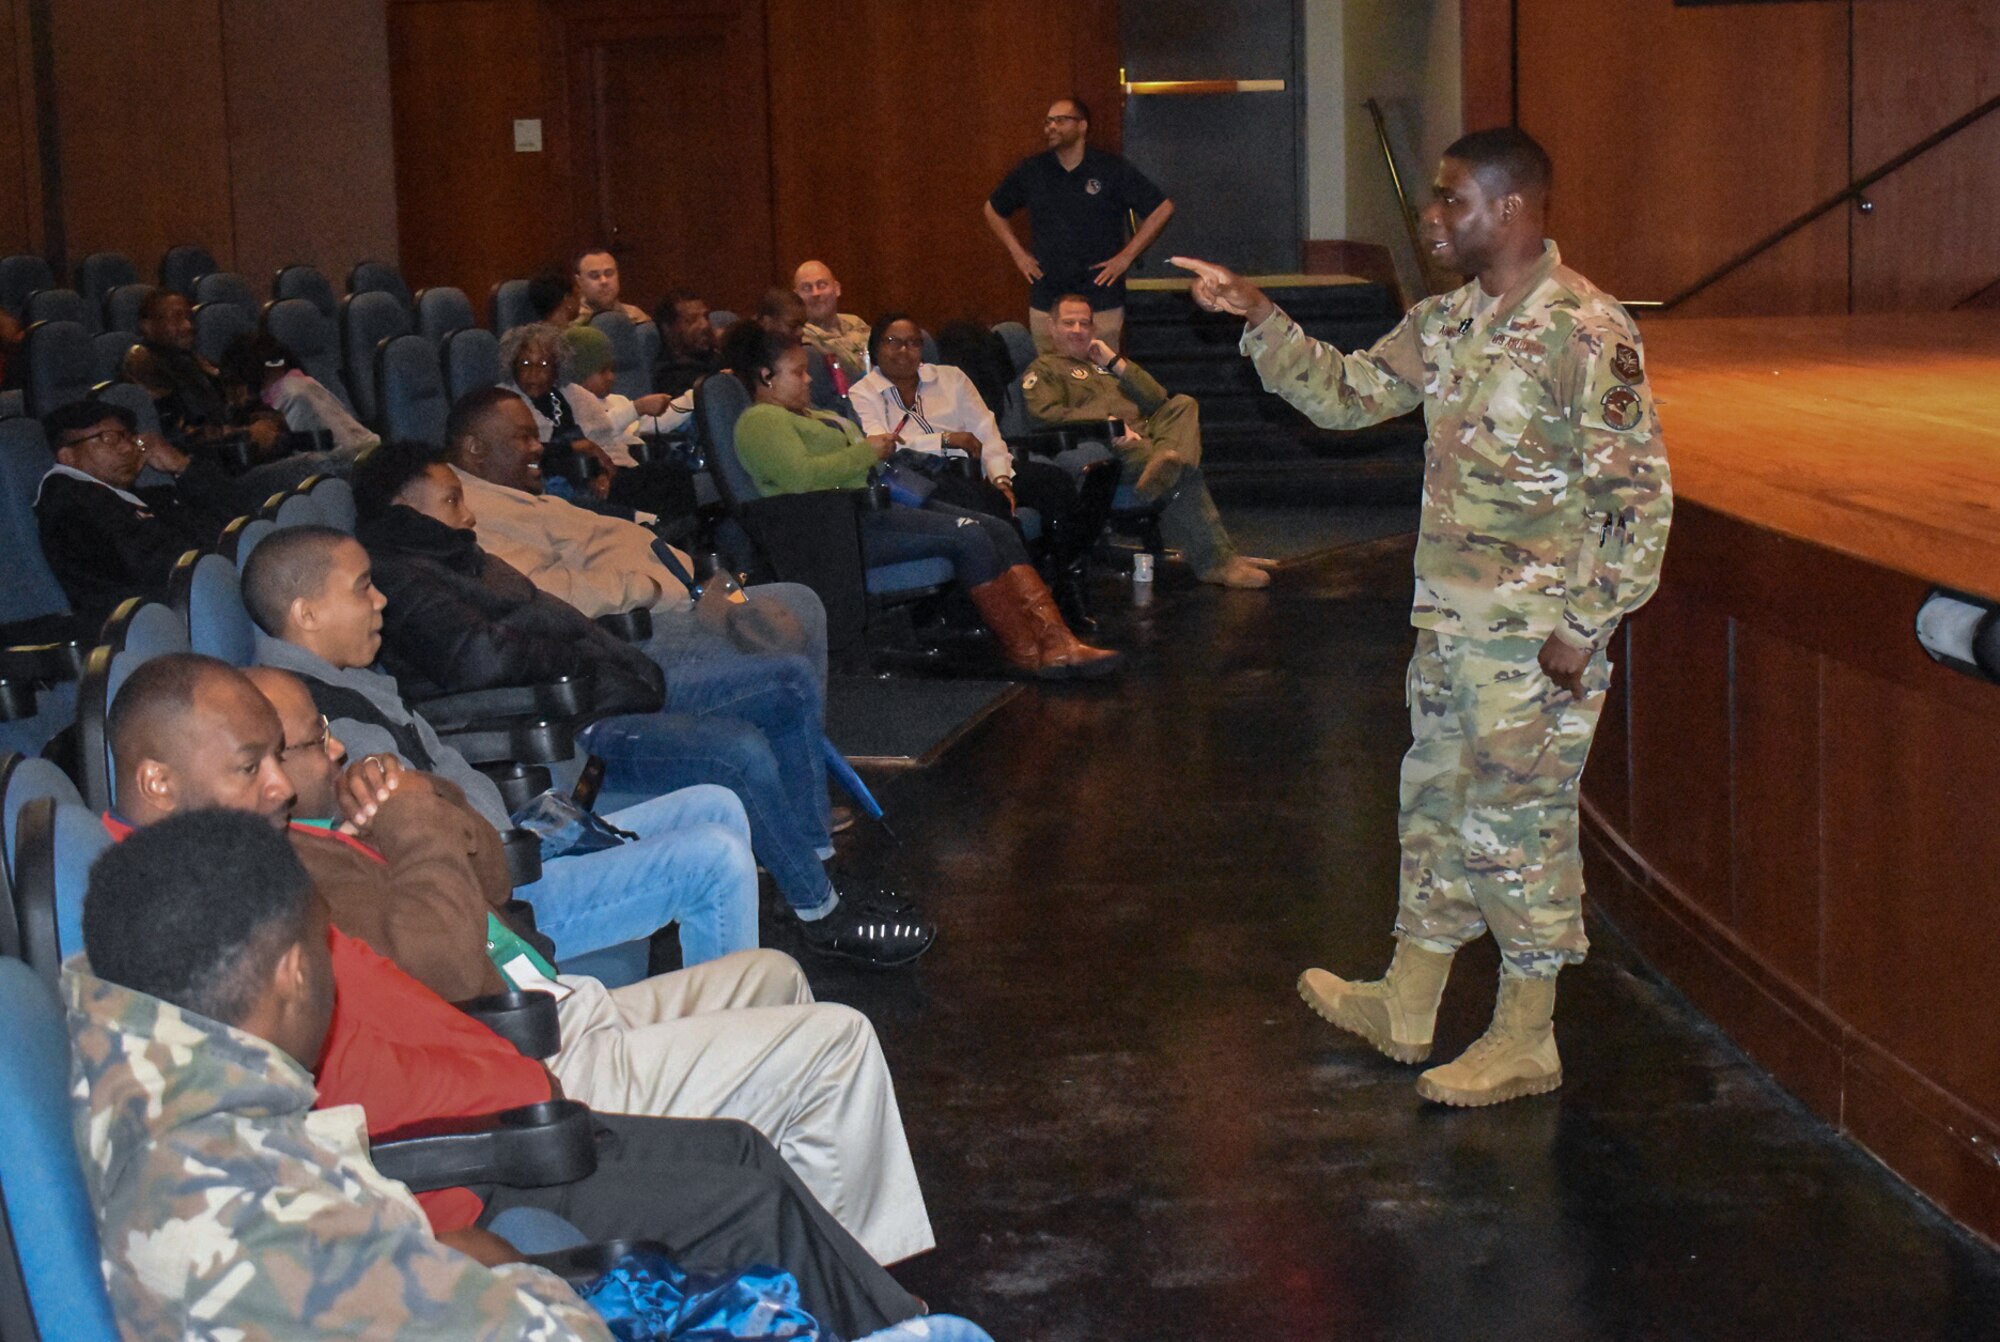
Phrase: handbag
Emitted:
{"points": [[720, 605]]}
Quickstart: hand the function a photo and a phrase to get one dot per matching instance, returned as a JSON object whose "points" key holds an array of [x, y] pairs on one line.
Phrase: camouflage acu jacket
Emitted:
{"points": [[227, 1209], [1546, 492]]}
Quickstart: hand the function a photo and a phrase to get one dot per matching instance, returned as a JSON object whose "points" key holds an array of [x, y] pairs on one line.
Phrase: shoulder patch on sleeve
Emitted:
{"points": [[1621, 407], [1625, 363]]}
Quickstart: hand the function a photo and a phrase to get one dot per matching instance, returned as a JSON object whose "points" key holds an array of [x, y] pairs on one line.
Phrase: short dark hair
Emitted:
{"points": [[384, 473], [245, 358], [154, 303], [196, 911], [576, 261], [669, 310], [290, 563], [1506, 158], [468, 412], [1082, 107], [749, 351], [84, 414], [883, 323], [776, 302], [154, 702], [1056, 306], [546, 292]]}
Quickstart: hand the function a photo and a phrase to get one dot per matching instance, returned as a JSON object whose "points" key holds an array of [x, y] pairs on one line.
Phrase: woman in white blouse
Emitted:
{"points": [[935, 408]]}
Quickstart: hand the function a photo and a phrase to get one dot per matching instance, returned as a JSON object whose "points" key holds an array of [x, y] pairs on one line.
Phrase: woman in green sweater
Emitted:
{"points": [[791, 448]]}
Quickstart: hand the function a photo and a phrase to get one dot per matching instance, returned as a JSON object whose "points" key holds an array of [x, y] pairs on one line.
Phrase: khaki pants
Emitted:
{"points": [[1108, 325], [741, 1037], [1489, 801]]}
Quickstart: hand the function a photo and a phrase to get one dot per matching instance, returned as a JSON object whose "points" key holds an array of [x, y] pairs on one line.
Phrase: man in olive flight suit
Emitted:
{"points": [[1546, 506], [1083, 378]]}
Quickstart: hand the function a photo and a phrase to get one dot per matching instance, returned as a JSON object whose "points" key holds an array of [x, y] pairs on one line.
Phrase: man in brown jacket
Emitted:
{"points": [[418, 873]]}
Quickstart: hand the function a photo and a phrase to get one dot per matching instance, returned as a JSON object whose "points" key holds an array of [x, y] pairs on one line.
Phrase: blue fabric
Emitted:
{"points": [[692, 867], [534, 1230], [48, 1207], [646, 1298]]}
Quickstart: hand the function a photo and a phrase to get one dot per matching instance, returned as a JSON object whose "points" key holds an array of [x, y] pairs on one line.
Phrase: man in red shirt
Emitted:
{"points": [[191, 733]]}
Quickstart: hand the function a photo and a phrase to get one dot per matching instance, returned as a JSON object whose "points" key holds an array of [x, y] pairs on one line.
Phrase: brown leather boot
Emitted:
{"points": [[1060, 645], [1012, 607]]}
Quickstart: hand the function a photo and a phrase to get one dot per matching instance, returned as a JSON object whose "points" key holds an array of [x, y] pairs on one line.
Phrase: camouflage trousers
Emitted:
{"points": [[1489, 823]]}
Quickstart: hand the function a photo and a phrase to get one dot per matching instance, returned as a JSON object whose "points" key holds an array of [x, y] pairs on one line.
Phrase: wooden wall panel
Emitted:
{"points": [[883, 177], [310, 173], [1911, 852], [1682, 134], [470, 210], [145, 161], [1486, 62], [1775, 771], [1677, 674], [1918, 66], [20, 167]]}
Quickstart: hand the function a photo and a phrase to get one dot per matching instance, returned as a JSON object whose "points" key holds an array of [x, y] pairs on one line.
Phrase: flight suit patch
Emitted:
{"points": [[1079, 373], [1625, 363], [1028, 382], [1621, 407]]}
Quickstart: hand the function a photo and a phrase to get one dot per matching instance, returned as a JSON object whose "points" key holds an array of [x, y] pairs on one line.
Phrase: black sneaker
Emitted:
{"points": [[861, 931]]}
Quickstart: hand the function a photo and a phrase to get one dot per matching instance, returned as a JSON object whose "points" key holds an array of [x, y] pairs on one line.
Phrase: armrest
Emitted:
{"points": [[563, 697], [523, 851], [516, 741], [1060, 438], [519, 784], [537, 1145], [527, 1020], [48, 663], [634, 625]]}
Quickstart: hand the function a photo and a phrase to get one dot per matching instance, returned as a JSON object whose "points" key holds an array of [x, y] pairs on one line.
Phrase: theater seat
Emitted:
{"points": [[136, 632], [216, 324], [107, 355], [366, 320], [379, 277], [471, 360], [121, 307], [62, 305], [507, 307], [59, 359], [182, 265], [20, 276], [225, 286], [299, 281], [632, 371], [411, 386], [299, 325], [23, 778], [442, 310], [101, 272]]}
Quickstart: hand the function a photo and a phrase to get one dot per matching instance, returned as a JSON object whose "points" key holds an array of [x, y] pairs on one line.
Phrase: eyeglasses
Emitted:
{"points": [[534, 363], [310, 742], [903, 342], [108, 437], [1057, 120]]}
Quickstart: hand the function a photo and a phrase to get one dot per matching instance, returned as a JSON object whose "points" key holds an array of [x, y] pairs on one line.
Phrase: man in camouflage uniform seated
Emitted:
{"points": [[1083, 378], [1546, 505], [227, 1207]]}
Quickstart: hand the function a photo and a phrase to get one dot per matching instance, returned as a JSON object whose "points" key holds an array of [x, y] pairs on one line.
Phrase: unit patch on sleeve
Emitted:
{"points": [[1625, 363], [1621, 407]]}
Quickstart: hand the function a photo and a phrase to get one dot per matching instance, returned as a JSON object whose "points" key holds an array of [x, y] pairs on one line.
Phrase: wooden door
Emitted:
{"points": [[671, 146]]}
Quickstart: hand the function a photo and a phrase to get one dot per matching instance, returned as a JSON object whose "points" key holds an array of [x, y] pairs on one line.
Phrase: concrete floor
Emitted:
{"points": [[1129, 1127]]}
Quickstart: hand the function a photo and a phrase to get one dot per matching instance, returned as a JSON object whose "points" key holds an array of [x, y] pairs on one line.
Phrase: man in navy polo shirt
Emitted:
{"points": [[1077, 198]]}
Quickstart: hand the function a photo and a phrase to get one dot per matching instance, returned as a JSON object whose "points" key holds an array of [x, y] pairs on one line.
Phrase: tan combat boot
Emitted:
{"points": [[1395, 1013], [1515, 1057]]}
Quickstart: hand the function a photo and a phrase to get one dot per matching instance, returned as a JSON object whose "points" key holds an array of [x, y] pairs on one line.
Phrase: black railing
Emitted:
{"points": [[1852, 191]]}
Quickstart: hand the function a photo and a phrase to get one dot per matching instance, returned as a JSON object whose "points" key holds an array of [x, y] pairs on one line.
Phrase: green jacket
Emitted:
{"points": [[228, 1209], [1057, 389], [797, 454], [1546, 491]]}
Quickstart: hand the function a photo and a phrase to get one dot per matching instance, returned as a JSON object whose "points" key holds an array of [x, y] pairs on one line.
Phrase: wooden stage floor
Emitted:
{"points": [[1876, 435]]}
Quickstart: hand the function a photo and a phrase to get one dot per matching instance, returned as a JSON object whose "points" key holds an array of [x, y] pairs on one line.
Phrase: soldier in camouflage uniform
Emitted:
{"points": [[227, 1208], [1545, 510], [1083, 378]]}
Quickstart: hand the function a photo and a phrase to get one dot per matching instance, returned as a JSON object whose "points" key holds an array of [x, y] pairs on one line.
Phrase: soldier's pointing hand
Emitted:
{"points": [[1220, 289]]}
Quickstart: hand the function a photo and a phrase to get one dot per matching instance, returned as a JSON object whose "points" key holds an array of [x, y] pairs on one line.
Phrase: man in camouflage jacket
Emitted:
{"points": [[1545, 510], [226, 1207]]}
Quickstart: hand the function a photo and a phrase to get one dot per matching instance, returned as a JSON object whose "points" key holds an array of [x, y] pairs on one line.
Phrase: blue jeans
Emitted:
{"points": [[653, 752], [691, 866]]}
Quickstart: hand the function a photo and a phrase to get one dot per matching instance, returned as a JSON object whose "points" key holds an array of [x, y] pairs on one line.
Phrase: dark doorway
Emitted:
{"points": [[671, 152], [1230, 161]]}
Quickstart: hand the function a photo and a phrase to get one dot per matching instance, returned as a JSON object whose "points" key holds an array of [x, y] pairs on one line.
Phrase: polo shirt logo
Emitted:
{"points": [[1092, 187]]}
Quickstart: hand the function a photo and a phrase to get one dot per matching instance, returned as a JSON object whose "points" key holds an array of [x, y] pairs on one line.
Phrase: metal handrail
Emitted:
{"points": [[1852, 191], [1402, 196]]}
